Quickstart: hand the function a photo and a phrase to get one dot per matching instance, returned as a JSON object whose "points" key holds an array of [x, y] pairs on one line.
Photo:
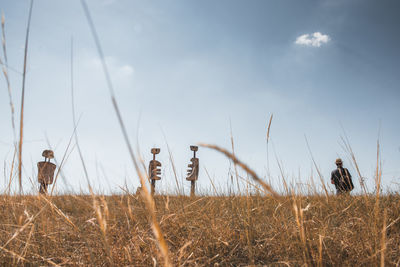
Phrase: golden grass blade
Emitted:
{"points": [[19, 257], [181, 251], [269, 127], [150, 205], [383, 240], [349, 149], [3, 37], [378, 172], [171, 160], [52, 263], [321, 178], [5, 72], [20, 230], [64, 158], [298, 211], [268, 136], [3, 40], [59, 212], [21, 122], [285, 185], [75, 123], [102, 220], [145, 192], [252, 174], [320, 251], [211, 181], [248, 183], [27, 241], [233, 153], [8, 189]]}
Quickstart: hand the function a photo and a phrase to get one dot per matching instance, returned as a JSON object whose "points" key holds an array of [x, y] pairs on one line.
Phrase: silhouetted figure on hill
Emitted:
{"points": [[341, 178]]}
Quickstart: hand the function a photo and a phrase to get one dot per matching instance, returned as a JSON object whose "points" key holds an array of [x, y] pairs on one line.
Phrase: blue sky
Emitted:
{"points": [[187, 71]]}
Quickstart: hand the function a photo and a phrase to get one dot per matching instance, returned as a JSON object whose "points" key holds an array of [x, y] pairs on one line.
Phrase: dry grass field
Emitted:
{"points": [[201, 231], [257, 229]]}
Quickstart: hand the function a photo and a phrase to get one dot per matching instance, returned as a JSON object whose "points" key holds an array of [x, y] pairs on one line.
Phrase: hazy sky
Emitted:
{"points": [[187, 71]]}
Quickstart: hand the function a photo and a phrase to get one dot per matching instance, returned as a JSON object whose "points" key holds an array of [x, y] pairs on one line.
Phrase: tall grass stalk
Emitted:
{"points": [[252, 174], [349, 149], [63, 160], [8, 189], [102, 214], [285, 184], [321, 178], [267, 138], [377, 215], [299, 215], [233, 153], [21, 122], [172, 162], [383, 240], [74, 114], [145, 192], [6, 75], [25, 250], [211, 181]]}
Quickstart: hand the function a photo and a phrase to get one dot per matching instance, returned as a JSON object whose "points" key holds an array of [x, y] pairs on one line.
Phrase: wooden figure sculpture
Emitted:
{"points": [[154, 170], [193, 171], [46, 171]]}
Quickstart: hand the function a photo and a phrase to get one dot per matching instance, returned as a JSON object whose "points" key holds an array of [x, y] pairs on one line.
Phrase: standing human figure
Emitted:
{"points": [[341, 178]]}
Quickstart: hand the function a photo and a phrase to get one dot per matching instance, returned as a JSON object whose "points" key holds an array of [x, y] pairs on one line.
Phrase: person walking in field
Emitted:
{"points": [[341, 178]]}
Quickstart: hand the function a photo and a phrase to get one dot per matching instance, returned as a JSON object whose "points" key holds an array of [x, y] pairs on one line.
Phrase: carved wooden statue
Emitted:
{"points": [[193, 171], [46, 171], [154, 169]]}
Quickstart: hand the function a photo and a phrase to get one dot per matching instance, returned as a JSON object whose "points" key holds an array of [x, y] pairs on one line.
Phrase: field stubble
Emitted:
{"points": [[219, 231], [319, 230]]}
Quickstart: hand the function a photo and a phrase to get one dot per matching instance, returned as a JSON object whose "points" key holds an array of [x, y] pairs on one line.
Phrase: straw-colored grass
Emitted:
{"points": [[264, 229], [228, 231]]}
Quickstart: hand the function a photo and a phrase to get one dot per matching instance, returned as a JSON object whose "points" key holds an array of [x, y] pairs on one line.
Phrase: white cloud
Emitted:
{"points": [[316, 39], [115, 66], [122, 73], [126, 70]]}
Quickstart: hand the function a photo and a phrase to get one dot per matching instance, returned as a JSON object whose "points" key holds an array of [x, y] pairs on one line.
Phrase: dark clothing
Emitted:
{"points": [[341, 178]]}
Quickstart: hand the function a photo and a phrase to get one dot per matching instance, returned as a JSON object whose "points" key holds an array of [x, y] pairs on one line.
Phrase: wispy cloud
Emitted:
{"points": [[316, 39]]}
